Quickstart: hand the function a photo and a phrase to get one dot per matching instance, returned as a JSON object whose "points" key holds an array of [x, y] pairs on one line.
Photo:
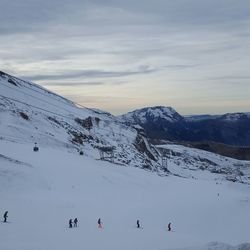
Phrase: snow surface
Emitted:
{"points": [[195, 163], [43, 190]]}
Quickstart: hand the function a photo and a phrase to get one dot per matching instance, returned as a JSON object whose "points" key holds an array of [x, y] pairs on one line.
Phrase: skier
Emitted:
{"points": [[5, 216], [99, 223], [70, 223], [138, 224], [75, 222], [169, 226]]}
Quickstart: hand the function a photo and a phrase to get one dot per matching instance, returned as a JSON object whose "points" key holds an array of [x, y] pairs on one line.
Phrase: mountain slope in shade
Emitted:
{"points": [[158, 122], [166, 123]]}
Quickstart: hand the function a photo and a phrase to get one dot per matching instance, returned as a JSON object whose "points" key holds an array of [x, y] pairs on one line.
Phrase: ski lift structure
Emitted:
{"points": [[35, 148], [164, 161], [164, 158], [106, 153]]}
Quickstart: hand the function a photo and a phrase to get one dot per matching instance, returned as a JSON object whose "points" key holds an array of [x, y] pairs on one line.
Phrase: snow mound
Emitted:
{"points": [[219, 246]]}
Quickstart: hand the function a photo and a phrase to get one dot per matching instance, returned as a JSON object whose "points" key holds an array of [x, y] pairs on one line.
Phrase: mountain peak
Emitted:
{"points": [[154, 113]]}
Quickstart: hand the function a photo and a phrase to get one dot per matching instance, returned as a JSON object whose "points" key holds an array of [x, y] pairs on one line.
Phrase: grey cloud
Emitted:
{"points": [[40, 15], [189, 11], [72, 83], [179, 66], [89, 74], [228, 78]]}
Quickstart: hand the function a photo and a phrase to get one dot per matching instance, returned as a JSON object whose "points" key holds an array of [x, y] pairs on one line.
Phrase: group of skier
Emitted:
{"points": [[71, 223], [139, 225], [99, 222], [100, 225]]}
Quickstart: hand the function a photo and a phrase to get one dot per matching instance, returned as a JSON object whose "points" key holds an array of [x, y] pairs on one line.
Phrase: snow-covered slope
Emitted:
{"points": [[195, 163], [43, 190], [29, 113]]}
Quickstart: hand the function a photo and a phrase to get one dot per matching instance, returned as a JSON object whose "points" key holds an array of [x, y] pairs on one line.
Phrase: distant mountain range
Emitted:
{"points": [[164, 123]]}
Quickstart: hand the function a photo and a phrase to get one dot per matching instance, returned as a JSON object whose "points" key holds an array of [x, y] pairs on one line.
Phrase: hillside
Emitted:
{"points": [[90, 164], [29, 113], [165, 123]]}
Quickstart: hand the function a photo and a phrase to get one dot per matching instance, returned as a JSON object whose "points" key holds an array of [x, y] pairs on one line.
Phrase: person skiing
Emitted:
{"points": [[99, 222], [5, 216], [169, 226], [75, 222], [70, 223], [138, 224]]}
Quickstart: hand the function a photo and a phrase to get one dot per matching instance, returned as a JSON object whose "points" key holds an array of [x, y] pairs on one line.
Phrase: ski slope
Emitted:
{"points": [[43, 190], [30, 113]]}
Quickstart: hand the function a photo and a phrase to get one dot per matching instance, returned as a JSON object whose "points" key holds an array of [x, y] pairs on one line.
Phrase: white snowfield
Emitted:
{"points": [[206, 197], [43, 190]]}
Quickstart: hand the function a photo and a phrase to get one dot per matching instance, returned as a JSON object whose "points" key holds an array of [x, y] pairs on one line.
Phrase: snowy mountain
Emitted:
{"points": [[152, 114], [205, 196], [30, 113], [166, 123], [158, 122]]}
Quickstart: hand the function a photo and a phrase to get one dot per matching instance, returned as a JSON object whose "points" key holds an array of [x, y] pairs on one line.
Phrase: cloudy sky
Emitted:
{"points": [[119, 55]]}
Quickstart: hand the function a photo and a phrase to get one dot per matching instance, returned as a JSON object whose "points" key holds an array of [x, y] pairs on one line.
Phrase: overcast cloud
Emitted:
{"points": [[120, 55]]}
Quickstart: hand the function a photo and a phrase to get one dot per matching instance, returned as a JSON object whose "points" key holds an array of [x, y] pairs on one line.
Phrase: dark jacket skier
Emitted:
{"points": [[99, 222], [5, 216], [169, 226], [138, 224], [70, 223], [75, 222]]}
